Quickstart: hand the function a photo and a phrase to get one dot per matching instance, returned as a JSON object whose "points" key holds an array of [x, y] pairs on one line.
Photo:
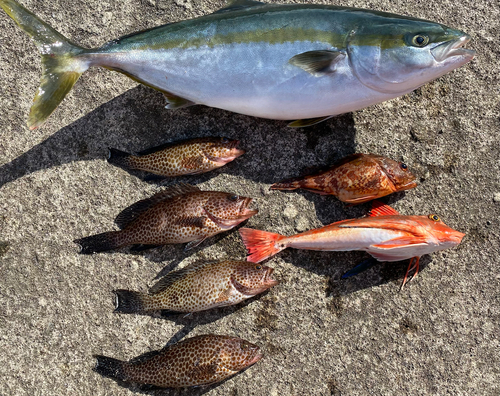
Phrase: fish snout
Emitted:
{"points": [[453, 48]]}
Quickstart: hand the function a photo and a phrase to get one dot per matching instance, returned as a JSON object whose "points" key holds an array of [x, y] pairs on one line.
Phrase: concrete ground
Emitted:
{"points": [[321, 336]]}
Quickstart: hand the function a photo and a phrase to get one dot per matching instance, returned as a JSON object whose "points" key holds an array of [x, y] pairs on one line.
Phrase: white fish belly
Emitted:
{"points": [[342, 239], [250, 78]]}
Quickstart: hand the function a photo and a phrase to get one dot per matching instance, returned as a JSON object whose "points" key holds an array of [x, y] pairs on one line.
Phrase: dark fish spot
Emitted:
{"points": [[406, 326], [4, 248]]}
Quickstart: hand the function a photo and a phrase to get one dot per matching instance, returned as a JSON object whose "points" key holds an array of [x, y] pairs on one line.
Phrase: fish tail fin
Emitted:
{"points": [[110, 367], [120, 158], [261, 244], [100, 242], [127, 301], [61, 65], [289, 184]]}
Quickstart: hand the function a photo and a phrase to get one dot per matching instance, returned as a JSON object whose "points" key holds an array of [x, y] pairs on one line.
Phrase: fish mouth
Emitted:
{"points": [[453, 48], [255, 359], [268, 279], [245, 212], [408, 186]]}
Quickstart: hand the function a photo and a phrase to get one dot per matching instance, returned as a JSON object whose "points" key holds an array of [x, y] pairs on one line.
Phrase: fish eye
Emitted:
{"points": [[258, 267], [233, 197], [244, 346], [403, 166], [434, 217], [420, 40], [225, 140]]}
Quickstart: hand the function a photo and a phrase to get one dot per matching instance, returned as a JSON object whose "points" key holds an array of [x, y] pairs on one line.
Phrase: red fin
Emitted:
{"points": [[381, 209], [260, 244], [401, 241]]}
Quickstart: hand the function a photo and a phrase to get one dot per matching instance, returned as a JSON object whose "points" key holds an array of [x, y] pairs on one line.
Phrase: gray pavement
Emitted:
{"points": [[321, 336]]}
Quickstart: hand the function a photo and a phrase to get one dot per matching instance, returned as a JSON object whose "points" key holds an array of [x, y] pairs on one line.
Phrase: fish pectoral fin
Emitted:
{"points": [[194, 243], [191, 221], [361, 267], [318, 63], [400, 242], [202, 371], [225, 296], [308, 122], [357, 201], [192, 162], [176, 102], [239, 5]]}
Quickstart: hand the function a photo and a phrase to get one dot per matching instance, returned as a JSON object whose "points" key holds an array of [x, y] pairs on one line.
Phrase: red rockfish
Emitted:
{"points": [[179, 214], [187, 157], [385, 234], [356, 179], [200, 286], [197, 361]]}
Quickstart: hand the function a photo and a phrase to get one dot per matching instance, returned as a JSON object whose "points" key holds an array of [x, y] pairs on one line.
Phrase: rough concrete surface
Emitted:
{"points": [[321, 336]]}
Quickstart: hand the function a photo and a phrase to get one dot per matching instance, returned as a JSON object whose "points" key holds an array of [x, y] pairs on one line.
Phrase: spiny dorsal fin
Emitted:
{"points": [[381, 209], [128, 215], [239, 5], [172, 277], [317, 63], [308, 122]]}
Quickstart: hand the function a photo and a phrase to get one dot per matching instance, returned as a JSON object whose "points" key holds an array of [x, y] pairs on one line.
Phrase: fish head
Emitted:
{"points": [[396, 55], [238, 354], [397, 172], [254, 278], [446, 236], [223, 150], [228, 210]]}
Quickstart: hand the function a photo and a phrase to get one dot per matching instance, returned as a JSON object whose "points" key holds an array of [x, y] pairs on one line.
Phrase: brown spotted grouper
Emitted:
{"points": [[356, 179], [200, 286], [187, 157], [201, 360], [179, 214]]}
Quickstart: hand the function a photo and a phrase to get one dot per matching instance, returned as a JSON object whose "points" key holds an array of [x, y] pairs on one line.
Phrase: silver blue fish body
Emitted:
{"points": [[277, 61]]}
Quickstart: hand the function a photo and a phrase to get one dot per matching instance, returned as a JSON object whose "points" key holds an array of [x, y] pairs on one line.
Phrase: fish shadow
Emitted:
{"points": [[137, 120]]}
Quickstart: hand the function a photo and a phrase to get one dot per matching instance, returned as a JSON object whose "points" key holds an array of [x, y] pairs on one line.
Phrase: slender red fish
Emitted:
{"points": [[186, 157], [385, 234], [201, 360], [356, 179]]}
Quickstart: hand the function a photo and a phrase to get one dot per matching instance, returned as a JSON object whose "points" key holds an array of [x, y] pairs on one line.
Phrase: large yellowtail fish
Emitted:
{"points": [[201, 360], [291, 61], [200, 286], [385, 235]]}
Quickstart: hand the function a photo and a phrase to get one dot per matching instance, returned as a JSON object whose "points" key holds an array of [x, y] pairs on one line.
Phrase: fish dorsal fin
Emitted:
{"points": [[172, 277], [381, 209], [235, 5], [307, 122], [128, 215], [347, 159], [318, 63]]}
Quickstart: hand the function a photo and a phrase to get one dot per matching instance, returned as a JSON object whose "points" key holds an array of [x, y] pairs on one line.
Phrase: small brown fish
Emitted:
{"points": [[186, 157], [356, 179], [201, 360], [179, 214], [200, 286]]}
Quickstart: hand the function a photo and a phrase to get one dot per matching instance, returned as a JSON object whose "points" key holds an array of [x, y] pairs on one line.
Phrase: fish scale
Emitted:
{"points": [[200, 360]]}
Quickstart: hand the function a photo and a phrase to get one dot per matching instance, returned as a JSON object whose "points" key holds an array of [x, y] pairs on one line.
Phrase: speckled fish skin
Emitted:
{"points": [[179, 214], [200, 286], [201, 360], [189, 157], [278, 61], [356, 179]]}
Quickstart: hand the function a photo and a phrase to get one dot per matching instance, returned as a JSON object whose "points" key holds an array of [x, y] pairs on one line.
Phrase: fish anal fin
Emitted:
{"points": [[308, 122], [381, 209], [318, 63], [239, 5], [176, 102]]}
